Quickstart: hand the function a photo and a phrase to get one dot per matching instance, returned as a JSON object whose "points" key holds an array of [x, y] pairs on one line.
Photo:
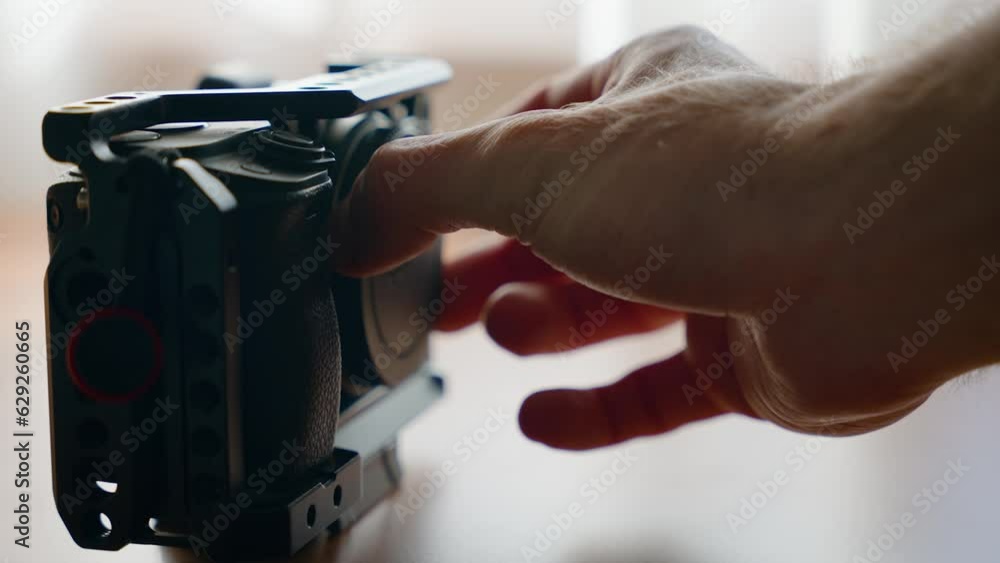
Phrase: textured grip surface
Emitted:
{"points": [[292, 358]]}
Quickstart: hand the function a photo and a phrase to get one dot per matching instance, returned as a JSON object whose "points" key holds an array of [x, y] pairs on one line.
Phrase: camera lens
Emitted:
{"points": [[390, 307]]}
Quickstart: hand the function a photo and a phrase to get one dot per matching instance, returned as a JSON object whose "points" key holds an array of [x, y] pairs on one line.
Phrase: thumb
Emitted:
{"points": [[417, 188]]}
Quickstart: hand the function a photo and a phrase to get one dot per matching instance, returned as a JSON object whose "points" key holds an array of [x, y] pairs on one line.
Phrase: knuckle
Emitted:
{"points": [[401, 160], [509, 133], [668, 41], [673, 52], [527, 151], [389, 154], [535, 139], [529, 158]]}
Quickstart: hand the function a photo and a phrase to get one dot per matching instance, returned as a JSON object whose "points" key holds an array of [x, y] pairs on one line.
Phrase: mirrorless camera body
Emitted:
{"points": [[213, 383]]}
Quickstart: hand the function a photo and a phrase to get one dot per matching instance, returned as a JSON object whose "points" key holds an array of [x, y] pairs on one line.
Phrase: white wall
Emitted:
{"points": [[780, 33], [91, 47], [798, 37]]}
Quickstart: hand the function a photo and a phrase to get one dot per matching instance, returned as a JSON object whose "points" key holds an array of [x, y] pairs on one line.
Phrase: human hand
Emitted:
{"points": [[679, 176]]}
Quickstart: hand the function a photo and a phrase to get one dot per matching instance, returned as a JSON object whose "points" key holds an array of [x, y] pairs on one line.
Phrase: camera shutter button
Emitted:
{"points": [[293, 150]]}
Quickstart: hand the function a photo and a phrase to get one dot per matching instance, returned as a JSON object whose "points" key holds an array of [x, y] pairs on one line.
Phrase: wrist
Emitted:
{"points": [[901, 212]]}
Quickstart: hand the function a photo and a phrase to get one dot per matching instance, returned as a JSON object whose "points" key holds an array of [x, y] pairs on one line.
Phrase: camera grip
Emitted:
{"points": [[291, 356]]}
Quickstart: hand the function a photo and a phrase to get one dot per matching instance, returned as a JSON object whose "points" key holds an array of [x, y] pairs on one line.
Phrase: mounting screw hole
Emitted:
{"points": [[55, 216], [97, 525], [311, 515], [338, 496], [107, 486]]}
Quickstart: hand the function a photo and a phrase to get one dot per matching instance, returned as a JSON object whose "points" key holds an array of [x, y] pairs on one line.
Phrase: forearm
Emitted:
{"points": [[911, 151]]}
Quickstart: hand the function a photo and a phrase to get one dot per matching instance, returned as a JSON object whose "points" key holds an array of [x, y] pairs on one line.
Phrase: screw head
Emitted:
{"points": [[55, 216]]}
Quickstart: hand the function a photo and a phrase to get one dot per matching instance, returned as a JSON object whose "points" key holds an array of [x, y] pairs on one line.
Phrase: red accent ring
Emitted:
{"points": [[150, 379]]}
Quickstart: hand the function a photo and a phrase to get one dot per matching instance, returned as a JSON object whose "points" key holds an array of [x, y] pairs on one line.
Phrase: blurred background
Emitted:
{"points": [[677, 501]]}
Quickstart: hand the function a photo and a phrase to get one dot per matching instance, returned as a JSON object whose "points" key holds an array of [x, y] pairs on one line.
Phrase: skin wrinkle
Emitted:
{"points": [[751, 390], [492, 142], [689, 114], [615, 434], [590, 125], [645, 394]]}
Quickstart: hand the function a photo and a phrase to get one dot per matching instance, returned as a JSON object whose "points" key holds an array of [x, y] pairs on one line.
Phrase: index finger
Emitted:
{"points": [[417, 188]]}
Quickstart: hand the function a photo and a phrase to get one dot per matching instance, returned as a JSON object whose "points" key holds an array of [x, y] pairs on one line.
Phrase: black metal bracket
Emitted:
{"points": [[86, 126]]}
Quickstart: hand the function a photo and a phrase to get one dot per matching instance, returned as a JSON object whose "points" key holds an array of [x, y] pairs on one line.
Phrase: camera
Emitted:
{"points": [[213, 383]]}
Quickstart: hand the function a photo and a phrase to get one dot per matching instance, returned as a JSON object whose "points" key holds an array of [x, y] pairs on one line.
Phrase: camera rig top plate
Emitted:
{"points": [[335, 94]]}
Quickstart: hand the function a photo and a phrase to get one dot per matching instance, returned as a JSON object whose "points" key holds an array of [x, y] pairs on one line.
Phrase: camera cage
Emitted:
{"points": [[363, 466], [344, 91]]}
